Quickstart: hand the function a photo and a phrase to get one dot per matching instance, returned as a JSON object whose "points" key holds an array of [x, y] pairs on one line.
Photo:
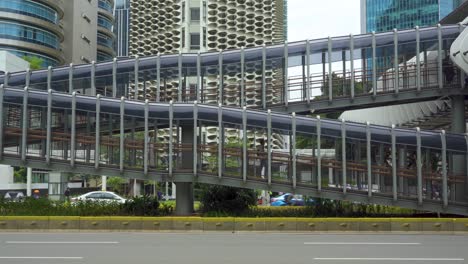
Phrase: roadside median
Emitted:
{"points": [[232, 224]]}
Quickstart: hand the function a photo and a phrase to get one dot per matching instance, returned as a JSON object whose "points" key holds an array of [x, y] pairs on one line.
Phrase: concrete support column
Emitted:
{"points": [[104, 183], [458, 192], [184, 197], [28, 182]]}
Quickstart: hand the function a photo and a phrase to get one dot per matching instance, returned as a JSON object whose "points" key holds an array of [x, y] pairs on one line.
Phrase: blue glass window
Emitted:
{"points": [[106, 5], [46, 60], [385, 15], [101, 56], [105, 23], [29, 8], [105, 41], [29, 34]]}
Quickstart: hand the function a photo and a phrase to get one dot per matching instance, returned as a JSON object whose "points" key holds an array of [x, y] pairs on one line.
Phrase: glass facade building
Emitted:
{"points": [[105, 34], [121, 29], [31, 29], [385, 15]]}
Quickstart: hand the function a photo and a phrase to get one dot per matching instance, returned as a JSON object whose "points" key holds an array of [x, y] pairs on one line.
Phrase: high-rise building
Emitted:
{"points": [[32, 29], [105, 27], [385, 15], [58, 32], [189, 26], [121, 28], [171, 26]]}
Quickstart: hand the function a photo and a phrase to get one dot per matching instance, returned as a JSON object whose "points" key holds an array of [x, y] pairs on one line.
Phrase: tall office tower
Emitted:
{"points": [[105, 26], [385, 15], [173, 26], [57, 31], [121, 28], [32, 29]]}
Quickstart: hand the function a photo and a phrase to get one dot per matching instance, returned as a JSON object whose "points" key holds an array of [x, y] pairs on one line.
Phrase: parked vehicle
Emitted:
{"points": [[289, 199], [101, 196], [15, 196]]}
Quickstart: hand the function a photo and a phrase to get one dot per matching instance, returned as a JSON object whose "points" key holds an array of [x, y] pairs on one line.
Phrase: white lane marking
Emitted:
{"points": [[61, 242], [358, 243], [41, 257], [393, 259]]}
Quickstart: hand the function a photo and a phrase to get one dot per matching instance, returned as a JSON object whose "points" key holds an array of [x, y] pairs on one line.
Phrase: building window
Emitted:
{"points": [[204, 37], [204, 11], [195, 14], [195, 41], [183, 11], [183, 38]]}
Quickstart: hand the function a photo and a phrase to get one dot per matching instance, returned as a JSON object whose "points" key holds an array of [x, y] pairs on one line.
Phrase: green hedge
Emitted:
{"points": [[322, 208], [140, 206]]}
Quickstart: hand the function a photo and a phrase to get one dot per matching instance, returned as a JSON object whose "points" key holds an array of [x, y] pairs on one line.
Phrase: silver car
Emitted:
{"points": [[100, 196]]}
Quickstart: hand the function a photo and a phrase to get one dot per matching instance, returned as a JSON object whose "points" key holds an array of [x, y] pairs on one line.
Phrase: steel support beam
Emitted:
{"points": [[264, 76], [242, 80], [114, 78], [171, 124], [195, 138], [1, 120], [24, 126], [122, 133], [444, 169], [351, 62], [93, 78], [137, 64], [319, 154], [396, 66], [49, 78], [244, 144], [73, 131], [439, 57], [70, 78], [419, 165], [221, 78], [343, 153], [199, 79], [269, 143], [293, 151], [308, 92], [418, 59], [97, 146], [374, 65], [369, 159], [394, 165], [330, 70], [221, 141], [146, 140], [158, 77], [286, 76]]}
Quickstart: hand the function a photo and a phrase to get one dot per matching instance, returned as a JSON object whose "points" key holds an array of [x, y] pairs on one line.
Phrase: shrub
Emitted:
{"points": [[141, 206], [226, 200]]}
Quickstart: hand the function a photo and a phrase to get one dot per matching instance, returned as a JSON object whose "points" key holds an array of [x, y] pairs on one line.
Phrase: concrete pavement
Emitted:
{"points": [[227, 248]]}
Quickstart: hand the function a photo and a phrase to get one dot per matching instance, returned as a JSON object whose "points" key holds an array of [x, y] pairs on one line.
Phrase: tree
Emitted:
{"points": [[35, 63], [115, 183], [20, 174]]}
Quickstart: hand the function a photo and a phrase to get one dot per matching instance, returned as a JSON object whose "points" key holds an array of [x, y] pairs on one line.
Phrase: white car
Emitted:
{"points": [[100, 196]]}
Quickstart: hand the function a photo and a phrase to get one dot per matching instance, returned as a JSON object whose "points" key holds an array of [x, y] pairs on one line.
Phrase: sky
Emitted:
{"points": [[312, 19]]}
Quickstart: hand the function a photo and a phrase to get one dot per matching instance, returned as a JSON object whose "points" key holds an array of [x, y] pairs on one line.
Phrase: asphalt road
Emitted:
{"points": [[226, 248]]}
